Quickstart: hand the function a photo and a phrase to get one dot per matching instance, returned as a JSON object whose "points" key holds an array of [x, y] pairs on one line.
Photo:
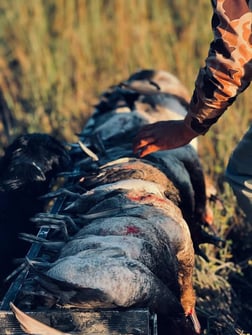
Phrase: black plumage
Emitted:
{"points": [[27, 170]]}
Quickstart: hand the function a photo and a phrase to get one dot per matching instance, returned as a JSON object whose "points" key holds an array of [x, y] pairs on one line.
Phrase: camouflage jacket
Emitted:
{"points": [[228, 69]]}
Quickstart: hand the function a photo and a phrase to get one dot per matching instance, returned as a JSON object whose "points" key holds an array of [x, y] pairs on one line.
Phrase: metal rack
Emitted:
{"points": [[80, 322]]}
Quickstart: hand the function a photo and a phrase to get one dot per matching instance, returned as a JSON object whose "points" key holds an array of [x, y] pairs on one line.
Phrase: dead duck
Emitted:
{"points": [[27, 170]]}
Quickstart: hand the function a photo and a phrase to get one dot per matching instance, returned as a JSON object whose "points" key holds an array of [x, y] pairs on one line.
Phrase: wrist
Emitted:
{"points": [[188, 130]]}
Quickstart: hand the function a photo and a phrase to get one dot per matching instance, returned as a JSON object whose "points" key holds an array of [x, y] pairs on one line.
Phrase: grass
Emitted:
{"points": [[57, 56]]}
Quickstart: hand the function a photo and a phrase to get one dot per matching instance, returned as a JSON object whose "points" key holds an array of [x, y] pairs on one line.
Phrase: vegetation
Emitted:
{"points": [[57, 56]]}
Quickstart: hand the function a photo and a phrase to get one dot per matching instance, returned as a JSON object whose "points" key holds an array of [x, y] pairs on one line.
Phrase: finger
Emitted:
{"points": [[140, 138], [148, 149], [141, 143]]}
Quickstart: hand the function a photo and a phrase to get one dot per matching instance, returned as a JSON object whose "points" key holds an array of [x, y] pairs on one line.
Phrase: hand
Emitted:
{"points": [[162, 135]]}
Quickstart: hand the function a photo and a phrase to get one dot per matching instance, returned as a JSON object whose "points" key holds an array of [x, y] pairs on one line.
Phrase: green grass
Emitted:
{"points": [[57, 56]]}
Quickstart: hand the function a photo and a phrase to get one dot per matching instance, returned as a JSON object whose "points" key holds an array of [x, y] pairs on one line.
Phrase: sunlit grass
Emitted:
{"points": [[58, 56]]}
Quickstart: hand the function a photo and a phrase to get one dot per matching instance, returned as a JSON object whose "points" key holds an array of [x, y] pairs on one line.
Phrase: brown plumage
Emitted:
{"points": [[137, 248]]}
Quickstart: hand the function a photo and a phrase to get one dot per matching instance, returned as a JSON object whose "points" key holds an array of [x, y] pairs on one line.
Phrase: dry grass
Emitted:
{"points": [[57, 56]]}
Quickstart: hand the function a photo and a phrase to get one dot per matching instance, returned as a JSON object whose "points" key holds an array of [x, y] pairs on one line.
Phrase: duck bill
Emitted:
{"points": [[195, 321]]}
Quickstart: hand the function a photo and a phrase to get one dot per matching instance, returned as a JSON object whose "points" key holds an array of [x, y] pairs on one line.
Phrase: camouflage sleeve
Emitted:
{"points": [[228, 68]]}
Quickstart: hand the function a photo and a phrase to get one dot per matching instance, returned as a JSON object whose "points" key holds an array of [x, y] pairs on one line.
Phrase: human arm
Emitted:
{"points": [[228, 69], [228, 72]]}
